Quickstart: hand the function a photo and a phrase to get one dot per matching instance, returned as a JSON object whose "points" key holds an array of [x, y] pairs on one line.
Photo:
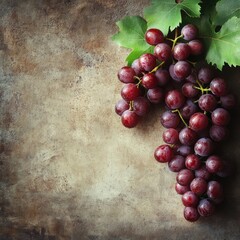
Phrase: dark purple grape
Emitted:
{"points": [[177, 163], [181, 51], [191, 214], [228, 101], [196, 47], [170, 136], [198, 121], [188, 109], [206, 208], [129, 119], [172, 74], [141, 106], [193, 162], [184, 150], [218, 133], [184, 177], [207, 102], [214, 190], [130, 92], [204, 147], [214, 164], [189, 91], [181, 189], [170, 119], [155, 95], [182, 69], [163, 153], [220, 117], [174, 99], [190, 199], [218, 87], [198, 186], [189, 32], [187, 136], [148, 62], [202, 172], [162, 76], [136, 66], [149, 81], [163, 52], [192, 77], [121, 106], [205, 75], [154, 36], [126, 75]]}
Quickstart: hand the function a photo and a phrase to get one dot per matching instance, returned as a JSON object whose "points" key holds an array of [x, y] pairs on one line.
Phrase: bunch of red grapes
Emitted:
{"points": [[197, 106]]}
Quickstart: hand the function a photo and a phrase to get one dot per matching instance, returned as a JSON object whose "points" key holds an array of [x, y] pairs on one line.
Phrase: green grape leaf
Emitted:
{"points": [[132, 35], [223, 46], [225, 10], [165, 14]]}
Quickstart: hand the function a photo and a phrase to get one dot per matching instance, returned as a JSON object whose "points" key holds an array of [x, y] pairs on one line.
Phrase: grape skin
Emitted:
{"points": [[154, 36], [129, 119], [121, 106]]}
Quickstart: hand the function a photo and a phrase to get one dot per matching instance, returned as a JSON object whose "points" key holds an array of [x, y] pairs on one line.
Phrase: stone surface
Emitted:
{"points": [[68, 169]]}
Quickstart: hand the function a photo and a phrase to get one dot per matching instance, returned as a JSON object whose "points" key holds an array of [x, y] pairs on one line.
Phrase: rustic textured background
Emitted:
{"points": [[68, 169]]}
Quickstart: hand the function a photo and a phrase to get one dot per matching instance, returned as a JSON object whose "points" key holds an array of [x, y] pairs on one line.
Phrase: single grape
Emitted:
{"points": [[192, 77], [193, 162], [141, 106], [174, 99], [182, 69], [189, 32], [170, 119], [130, 92], [189, 91], [129, 119], [184, 150], [148, 62], [163, 52], [121, 106], [154, 36], [196, 47], [188, 109], [181, 189], [198, 186], [155, 95], [214, 190], [218, 87], [202, 172], [191, 214], [170, 136], [207, 102], [149, 80], [184, 177], [162, 76], [187, 136], [198, 121], [190, 199], [204, 147], [220, 117], [181, 51], [218, 133], [228, 101], [126, 75], [172, 74], [136, 66], [177, 163], [205, 75], [163, 153], [214, 164], [206, 208]]}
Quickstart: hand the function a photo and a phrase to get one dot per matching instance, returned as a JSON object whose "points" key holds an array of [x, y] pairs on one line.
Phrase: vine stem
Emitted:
{"points": [[180, 115]]}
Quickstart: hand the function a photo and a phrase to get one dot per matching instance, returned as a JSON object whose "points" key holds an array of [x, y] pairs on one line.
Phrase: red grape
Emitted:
{"points": [[163, 153], [121, 106], [130, 92], [129, 119], [154, 36]]}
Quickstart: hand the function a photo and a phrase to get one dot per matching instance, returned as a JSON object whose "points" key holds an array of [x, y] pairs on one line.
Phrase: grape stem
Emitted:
{"points": [[131, 106], [157, 67], [180, 115], [139, 81], [175, 41], [201, 88]]}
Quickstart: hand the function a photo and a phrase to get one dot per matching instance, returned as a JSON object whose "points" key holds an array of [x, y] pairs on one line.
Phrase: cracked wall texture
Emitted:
{"points": [[68, 169]]}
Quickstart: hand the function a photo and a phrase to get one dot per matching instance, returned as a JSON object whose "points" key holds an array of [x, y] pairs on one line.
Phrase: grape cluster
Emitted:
{"points": [[198, 105]]}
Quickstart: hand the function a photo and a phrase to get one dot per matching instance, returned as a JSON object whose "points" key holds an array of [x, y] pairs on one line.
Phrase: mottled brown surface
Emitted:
{"points": [[68, 169]]}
